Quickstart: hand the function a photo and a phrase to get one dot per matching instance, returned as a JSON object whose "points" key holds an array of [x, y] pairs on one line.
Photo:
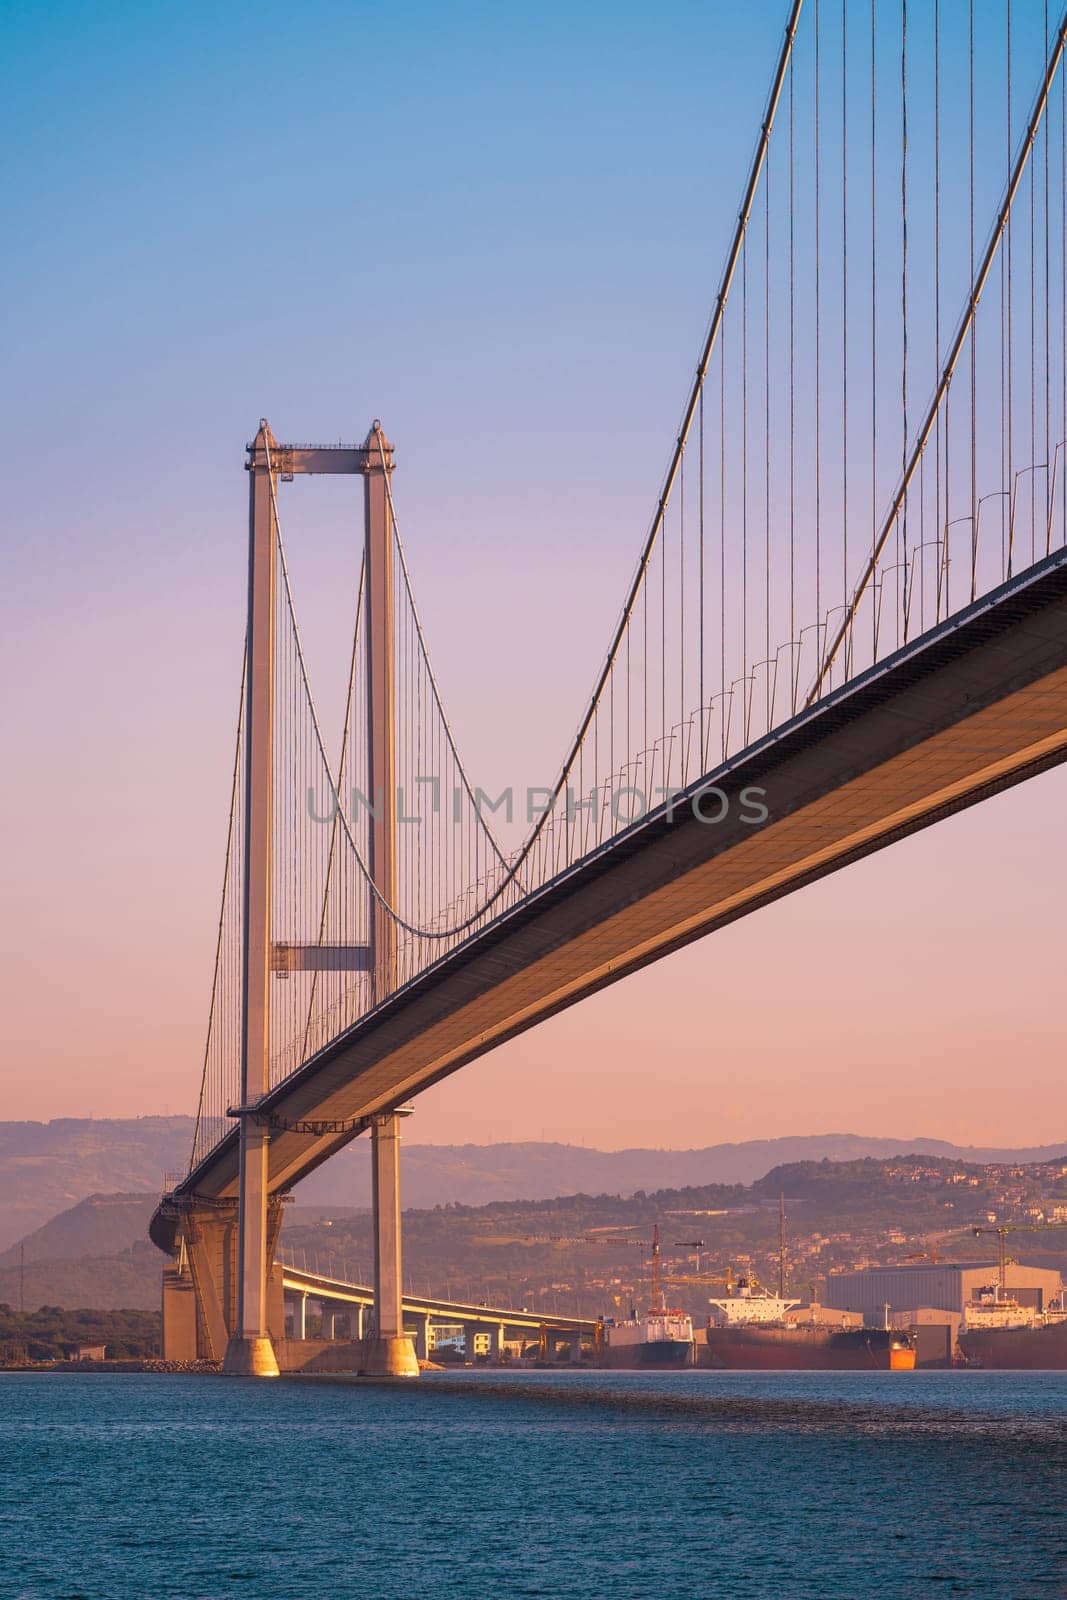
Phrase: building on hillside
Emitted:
{"points": [[89, 1352], [945, 1286]]}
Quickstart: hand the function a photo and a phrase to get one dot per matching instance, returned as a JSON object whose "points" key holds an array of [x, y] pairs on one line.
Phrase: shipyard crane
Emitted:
{"points": [[1002, 1230]]}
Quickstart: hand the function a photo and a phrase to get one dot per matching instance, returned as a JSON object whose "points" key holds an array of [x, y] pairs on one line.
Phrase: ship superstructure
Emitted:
{"points": [[749, 1304]]}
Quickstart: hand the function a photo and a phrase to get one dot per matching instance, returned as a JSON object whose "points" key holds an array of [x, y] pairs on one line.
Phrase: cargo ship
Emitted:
{"points": [[1000, 1333], [662, 1340], [748, 1331]]}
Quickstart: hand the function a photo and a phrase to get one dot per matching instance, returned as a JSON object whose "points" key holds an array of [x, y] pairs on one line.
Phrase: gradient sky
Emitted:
{"points": [[499, 229]]}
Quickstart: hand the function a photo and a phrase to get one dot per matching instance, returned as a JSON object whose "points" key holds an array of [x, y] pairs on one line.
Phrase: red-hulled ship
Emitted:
{"points": [[748, 1331]]}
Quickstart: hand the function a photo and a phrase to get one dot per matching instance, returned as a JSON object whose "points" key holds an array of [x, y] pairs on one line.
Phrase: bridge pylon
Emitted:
{"points": [[380, 647], [250, 1351]]}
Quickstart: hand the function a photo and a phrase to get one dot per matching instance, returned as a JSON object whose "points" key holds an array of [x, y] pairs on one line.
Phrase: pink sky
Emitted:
{"points": [[916, 992], [523, 313]]}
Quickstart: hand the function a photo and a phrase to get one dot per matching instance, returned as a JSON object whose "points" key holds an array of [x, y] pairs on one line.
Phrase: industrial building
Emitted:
{"points": [[946, 1285]]}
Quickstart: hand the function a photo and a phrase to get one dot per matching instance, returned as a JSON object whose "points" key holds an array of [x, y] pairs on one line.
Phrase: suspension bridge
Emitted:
{"points": [[848, 620]]}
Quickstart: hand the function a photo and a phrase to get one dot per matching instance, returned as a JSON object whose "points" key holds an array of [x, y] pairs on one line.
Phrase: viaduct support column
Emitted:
{"points": [[250, 1351], [422, 1339], [390, 1353]]}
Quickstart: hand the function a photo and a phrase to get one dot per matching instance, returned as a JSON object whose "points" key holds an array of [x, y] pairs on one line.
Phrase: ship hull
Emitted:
{"points": [[651, 1355], [1017, 1349], [804, 1349]]}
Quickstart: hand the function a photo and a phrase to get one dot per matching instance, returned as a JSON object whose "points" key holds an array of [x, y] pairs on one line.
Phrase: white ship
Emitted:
{"points": [[749, 1304], [662, 1338], [992, 1308]]}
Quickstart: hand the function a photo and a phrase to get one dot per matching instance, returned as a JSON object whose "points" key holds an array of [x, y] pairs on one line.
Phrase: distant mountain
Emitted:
{"points": [[477, 1174], [48, 1167]]}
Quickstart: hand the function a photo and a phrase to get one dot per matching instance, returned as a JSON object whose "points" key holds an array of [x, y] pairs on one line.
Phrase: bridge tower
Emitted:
{"points": [[250, 1350], [391, 1352]]}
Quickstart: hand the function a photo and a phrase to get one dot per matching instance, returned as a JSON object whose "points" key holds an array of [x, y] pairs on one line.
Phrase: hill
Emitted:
{"points": [[103, 1224], [129, 1278], [46, 1167], [590, 1252], [839, 1214], [478, 1174]]}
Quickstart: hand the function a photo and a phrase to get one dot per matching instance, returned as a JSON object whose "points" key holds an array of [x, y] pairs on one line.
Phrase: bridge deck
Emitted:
{"points": [[339, 1292], [970, 708]]}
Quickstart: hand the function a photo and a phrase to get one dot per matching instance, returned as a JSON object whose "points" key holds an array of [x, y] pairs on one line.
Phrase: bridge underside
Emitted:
{"points": [[971, 708]]}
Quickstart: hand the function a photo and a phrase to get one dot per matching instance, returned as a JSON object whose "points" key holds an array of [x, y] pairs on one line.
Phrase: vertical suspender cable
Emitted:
{"points": [[700, 590], [793, 655], [722, 538], [940, 523], [818, 342], [767, 440], [1033, 360], [226, 873], [1008, 350], [963, 328], [874, 318], [844, 302], [974, 333], [902, 569], [1049, 460], [744, 483]]}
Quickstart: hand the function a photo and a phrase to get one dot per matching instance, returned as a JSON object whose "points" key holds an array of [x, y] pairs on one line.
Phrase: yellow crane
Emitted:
{"points": [[702, 1280]]}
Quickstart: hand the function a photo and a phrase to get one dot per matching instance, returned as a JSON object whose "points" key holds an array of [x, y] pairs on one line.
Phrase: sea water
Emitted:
{"points": [[485, 1485]]}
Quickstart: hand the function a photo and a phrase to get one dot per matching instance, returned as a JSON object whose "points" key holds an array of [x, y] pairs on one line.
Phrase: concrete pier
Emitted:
{"points": [[390, 1352]]}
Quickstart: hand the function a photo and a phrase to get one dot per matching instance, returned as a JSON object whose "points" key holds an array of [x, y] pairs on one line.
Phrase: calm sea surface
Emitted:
{"points": [[486, 1485]]}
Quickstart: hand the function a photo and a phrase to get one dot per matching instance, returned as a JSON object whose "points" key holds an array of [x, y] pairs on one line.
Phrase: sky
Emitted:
{"points": [[499, 229]]}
